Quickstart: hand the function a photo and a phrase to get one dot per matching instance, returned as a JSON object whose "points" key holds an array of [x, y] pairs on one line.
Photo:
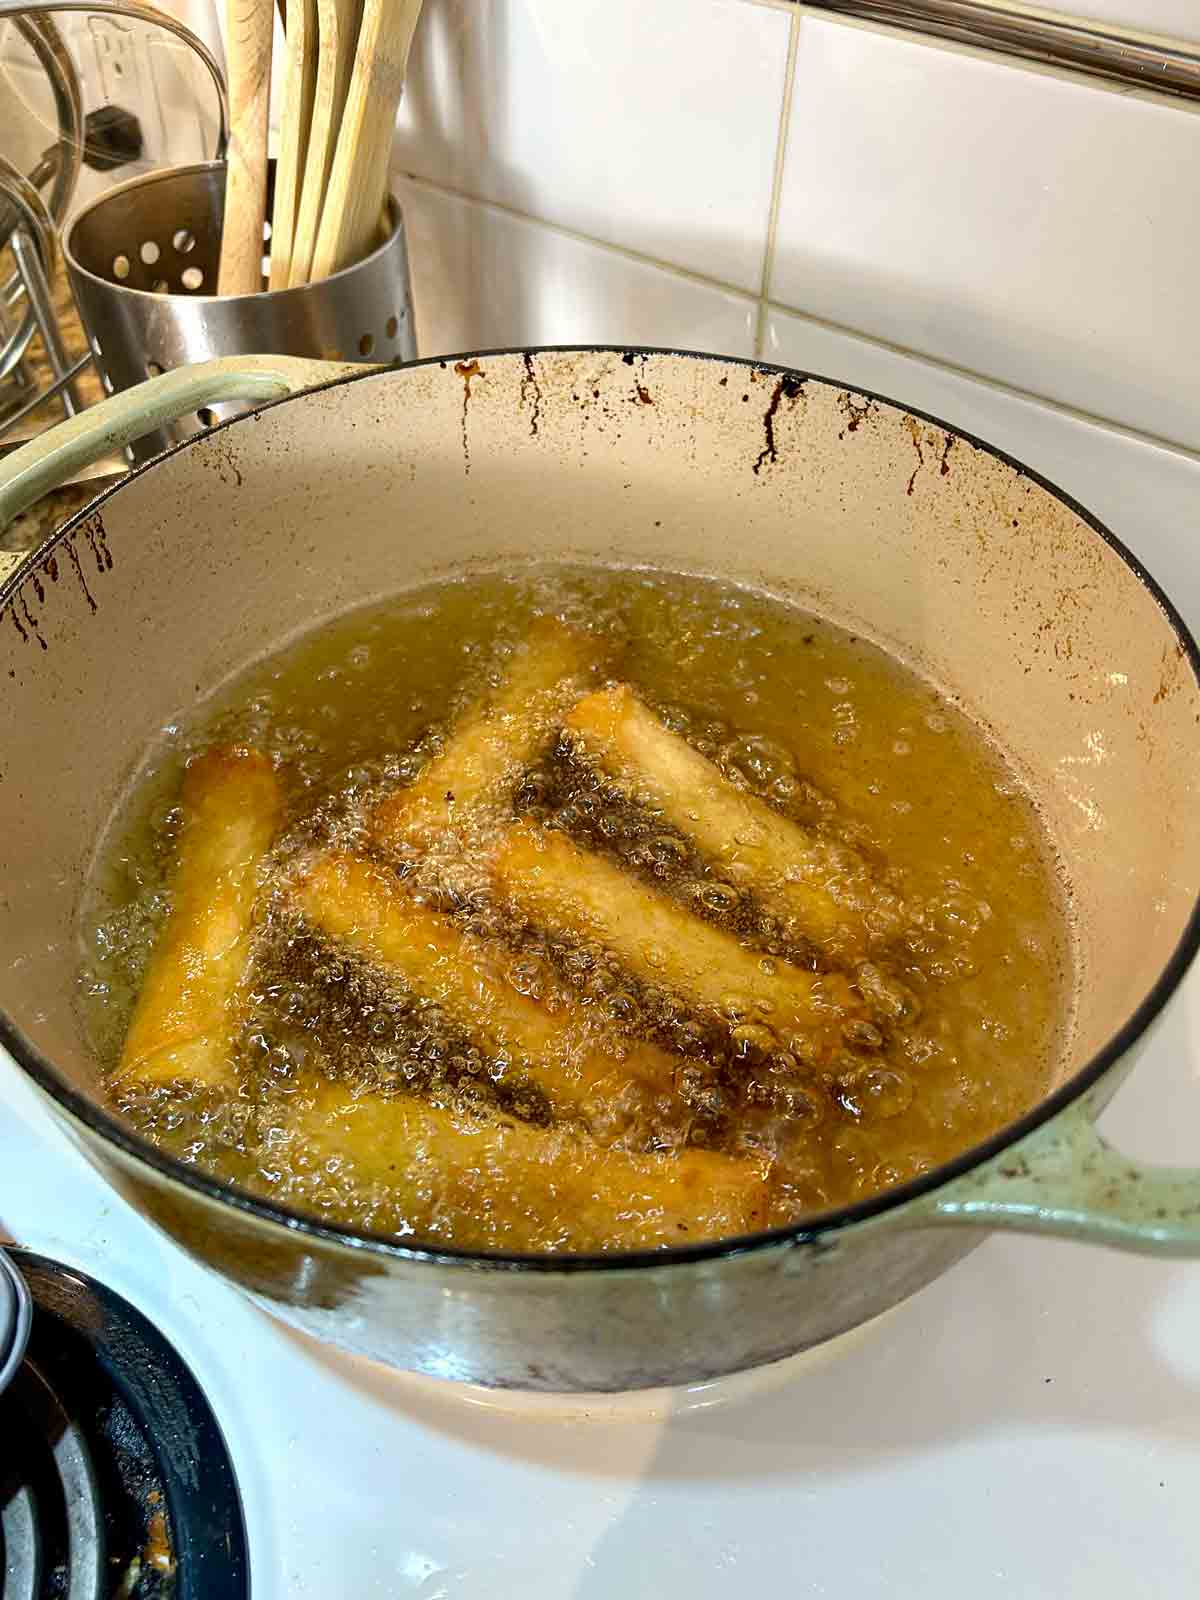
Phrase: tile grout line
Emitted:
{"points": [[781, 144], [1094, 419], [1011, 391], [453, 192]]}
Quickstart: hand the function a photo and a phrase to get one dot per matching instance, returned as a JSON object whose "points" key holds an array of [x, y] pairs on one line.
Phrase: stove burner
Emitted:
{"points": [[52, 1527], [16, 1313], [115, 1482]]}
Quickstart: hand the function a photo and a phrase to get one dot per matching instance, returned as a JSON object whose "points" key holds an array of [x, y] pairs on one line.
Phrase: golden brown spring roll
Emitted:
{"points": [[495, 1183], [584, 896], [366, 908], [495, 740], [186, 1013], [794, 872]]}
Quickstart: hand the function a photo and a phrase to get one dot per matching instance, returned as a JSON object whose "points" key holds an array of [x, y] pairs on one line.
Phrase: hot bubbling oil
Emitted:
{"points": [[967, 1007]]}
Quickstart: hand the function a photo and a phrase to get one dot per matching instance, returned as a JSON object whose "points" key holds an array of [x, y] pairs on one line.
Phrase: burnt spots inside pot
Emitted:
{"points": [[84, 553]]}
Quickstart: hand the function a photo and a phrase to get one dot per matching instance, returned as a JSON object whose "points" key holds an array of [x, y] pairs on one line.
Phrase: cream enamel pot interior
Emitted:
{"points": [[969, 567]]}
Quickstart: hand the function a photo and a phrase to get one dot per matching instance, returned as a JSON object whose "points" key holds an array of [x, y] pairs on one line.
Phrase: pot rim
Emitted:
{"points": [[88, 1111]]}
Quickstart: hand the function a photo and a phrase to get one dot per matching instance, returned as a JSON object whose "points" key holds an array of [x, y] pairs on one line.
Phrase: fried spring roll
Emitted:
{"points": [[584, 896], [369, 910], [793, 871], [495, 740], [494, 1183], [186, 1014]]}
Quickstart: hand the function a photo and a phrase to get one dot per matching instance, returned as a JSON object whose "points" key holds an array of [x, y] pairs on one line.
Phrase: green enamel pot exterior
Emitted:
{"points": [[1007, 594]]}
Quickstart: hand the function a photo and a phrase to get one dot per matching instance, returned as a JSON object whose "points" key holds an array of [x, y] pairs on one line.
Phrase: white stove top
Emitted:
{"points": [[1028, 1426]]}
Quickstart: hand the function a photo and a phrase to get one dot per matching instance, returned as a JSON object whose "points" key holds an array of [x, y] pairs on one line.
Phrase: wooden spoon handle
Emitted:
{"points": [[298, 91], [249, 28], [337, 34], [357, 188]]}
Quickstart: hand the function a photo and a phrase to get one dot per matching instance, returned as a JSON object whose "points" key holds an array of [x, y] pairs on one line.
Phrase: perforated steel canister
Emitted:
{"points": [[143, 266]]}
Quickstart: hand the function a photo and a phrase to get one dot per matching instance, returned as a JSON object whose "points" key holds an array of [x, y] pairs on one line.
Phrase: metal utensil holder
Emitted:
{"points": [[143, 263]]}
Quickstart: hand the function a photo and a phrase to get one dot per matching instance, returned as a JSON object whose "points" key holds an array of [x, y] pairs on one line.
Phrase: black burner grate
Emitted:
{"points": [[115, 1482]]}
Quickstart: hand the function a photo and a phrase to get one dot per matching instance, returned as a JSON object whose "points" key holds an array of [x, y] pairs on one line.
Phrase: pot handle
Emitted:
{"points": [[50, 459], [1065, 1181]]}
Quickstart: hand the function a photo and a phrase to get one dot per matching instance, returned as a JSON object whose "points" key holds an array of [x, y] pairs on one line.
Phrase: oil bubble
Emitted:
{"points": [[876, 1091]]}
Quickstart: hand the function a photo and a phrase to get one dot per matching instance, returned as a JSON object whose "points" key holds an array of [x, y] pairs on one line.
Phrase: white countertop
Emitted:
{"points": [[1027, 1426]]}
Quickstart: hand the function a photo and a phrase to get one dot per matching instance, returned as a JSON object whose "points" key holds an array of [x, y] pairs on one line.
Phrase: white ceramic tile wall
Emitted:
{"points": [[1147, 494], [1031, 227], [651, 124], [483, 277], [1174, 18]]}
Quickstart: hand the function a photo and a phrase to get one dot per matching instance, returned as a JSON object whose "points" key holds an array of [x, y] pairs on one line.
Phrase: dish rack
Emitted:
{"points": [[34, 205]]}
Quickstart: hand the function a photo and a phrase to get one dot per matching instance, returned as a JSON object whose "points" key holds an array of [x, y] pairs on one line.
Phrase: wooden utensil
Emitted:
{"points": [[357, 188], [250, 26], [338, 36], [299, 89]]}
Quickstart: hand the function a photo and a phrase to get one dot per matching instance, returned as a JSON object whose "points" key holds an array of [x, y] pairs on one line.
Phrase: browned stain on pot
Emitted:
{"points": [[31, 621], [914, 432], [641, 396], [73, 557], [951, 441], [92, 529], [1169, 675], [220, 457], [468, 371], [855, 414], [593, 391], [530, 393], [26, 620], [787, 387]]}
